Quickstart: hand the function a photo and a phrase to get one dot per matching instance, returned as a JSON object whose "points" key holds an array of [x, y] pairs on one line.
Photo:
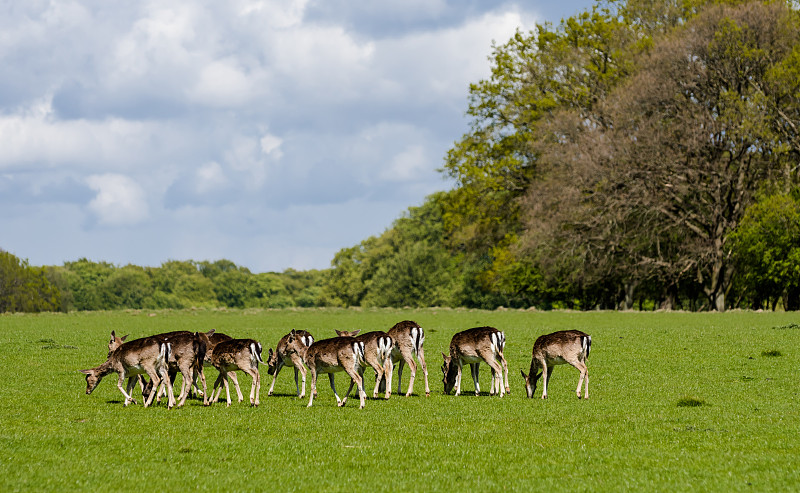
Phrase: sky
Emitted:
{"points": [[269, 133]]}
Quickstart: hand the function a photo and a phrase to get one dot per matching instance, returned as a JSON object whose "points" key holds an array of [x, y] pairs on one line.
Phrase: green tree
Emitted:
{"points": [[127, 287], [766, 248], [24, 288], [86, 281]]}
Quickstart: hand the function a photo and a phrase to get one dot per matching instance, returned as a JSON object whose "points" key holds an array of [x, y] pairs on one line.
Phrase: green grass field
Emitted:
{"points": [[679, 401]]}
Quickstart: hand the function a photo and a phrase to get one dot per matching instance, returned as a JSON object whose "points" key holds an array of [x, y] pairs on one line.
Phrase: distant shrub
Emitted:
{"points": [[772, 353], [690, 402]]}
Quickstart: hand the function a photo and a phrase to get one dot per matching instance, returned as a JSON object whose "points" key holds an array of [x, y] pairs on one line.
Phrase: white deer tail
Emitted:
{"points": [[498, 342], [586, 346], [164, 353], [255, 351], [358, 352], [418, 338], [385, 345]]}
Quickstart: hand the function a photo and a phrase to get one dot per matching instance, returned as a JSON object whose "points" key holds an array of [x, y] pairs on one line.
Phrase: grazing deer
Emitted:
{"points": [[378, 348], [287, 355], [473, 346], [408, 338], [186, 357], [237, 354], [558, 348], [148, 355], [211, 339], [331, 356]]}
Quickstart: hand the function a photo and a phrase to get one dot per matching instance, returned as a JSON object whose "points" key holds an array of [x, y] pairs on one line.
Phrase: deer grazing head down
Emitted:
{"points": [[473, 346], [563, 347]]}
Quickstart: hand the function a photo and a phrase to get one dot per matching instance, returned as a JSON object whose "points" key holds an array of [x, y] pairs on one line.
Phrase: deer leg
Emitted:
{"points": [[254, 386], [217, 387], [421, 359], [413, 367], [546, 373], [302, 370], [227, 389], [458, 376], [170, 393], [275, 375], [474, 370], [400, 366], [504, 364], [387, 376], [187, 377], [339, 402], [155, 380], [120, 386], [581, 367], [199, 370], [355, 376], [379, 373], [313, 392], [232, 376], [497, 376]]}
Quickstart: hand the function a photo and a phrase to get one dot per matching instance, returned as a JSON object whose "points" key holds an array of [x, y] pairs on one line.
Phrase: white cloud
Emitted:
{"points": [[120, 201], [271, 145], [225, 121], [407, 165]]}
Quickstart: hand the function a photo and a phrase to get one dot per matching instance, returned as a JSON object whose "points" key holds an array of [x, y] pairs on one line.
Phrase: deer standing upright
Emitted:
{"points": [[331, 356], [408, 338], [378, 348], [237, 354], [287, 355]]}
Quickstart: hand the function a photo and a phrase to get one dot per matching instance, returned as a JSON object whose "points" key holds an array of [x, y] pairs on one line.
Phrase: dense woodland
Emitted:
{"points": [[640, 155]]}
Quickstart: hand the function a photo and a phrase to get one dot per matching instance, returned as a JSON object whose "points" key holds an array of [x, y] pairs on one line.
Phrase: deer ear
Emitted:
{"points": [[339, 333], [270, 352], [87, 372], [210, 332], [444, 356], [355, 332], [124, 337], [524, 375]]}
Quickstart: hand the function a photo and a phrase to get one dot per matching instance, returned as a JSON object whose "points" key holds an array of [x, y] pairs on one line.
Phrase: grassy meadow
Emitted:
{"points": [[679, 401]]}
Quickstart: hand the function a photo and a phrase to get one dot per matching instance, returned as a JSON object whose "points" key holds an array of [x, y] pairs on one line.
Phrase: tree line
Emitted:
{"points": [[88, 285], [638, 155]]}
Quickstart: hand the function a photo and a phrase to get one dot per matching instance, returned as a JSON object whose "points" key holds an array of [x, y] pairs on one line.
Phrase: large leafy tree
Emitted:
{"points": [[673, 158]]}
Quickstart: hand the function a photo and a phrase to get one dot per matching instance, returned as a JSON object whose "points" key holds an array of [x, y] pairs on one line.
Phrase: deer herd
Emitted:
{"points": [[161, 357]]}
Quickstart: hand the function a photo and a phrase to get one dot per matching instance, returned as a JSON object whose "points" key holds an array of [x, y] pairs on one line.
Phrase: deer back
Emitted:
{"points": [[241, 353], [558, 346], [472, 343], [334, 352], [408, 334]]}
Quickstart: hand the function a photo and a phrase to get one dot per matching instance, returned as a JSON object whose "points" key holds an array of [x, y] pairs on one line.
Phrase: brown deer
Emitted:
{"points": [[212, 338], [147, 355], [562, 347], [378, 348], [408, 339], [331, 356], [237, 354], [473, 346], [186, 357], [286, 355]]}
